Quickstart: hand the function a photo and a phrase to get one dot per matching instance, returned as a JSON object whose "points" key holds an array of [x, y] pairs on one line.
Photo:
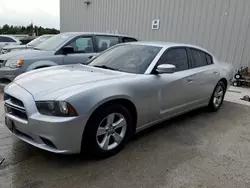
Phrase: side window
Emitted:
{"points": [[177, 57], [82, 45], [198, 58], [105, 42], [10, 39], [209, 59], [3, 39], [128, 39]]}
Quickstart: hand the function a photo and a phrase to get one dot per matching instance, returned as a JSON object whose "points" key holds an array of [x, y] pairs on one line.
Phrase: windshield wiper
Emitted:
{"points": [[106, 67]]}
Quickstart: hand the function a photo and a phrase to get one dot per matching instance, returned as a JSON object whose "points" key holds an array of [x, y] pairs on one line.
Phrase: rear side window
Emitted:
{"points": [[199, 58], [209, 59], [10, 39], [128, 39], [4, 39], [177, 57], [105, 42]]}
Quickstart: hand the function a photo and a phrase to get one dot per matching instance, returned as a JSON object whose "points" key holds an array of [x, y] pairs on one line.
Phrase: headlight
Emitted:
{"points": [[14, 63], [56, 108], [4, 51]]}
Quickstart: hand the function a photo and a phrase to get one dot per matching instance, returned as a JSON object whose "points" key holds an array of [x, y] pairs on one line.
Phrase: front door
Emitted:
{"points": [[83, 50], [176, 92]]}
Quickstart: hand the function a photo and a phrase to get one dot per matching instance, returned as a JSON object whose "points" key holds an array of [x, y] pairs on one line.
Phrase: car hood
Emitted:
{"points": [[10, 47], [25, 54], [44, 81]]}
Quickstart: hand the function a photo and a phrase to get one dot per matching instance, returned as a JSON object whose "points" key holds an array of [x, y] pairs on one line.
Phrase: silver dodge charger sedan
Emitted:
{"points": [[96, 107]]}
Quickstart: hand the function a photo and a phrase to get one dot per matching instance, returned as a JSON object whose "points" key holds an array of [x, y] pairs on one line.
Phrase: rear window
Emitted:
{"points": [[128, 39]]}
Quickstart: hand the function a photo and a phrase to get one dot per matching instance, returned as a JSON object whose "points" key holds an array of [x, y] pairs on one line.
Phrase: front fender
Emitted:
{"points": [[41, 64]]}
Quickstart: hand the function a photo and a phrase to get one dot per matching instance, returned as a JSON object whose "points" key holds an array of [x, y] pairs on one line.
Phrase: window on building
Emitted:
{"points": [[177, 57], [105, 42], [82, 45], [198, 58]]}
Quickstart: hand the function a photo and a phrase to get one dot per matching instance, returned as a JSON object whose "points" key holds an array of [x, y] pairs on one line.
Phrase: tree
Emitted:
{"points": [[6, 29]]}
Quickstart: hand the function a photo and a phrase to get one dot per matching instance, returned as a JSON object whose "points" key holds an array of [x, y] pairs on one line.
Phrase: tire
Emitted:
{"points": [[237, 76], [236, 84], [93, 144], [214, 104]]}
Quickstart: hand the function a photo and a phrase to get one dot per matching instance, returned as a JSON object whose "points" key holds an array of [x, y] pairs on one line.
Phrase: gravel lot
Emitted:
{"points": [[199, 149]]}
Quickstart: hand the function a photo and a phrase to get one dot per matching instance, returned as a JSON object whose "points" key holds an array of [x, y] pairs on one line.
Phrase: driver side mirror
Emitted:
{"points": [[165, 68], [68, 50]]}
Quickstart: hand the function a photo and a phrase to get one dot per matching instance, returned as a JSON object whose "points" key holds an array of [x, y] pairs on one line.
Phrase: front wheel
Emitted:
{"points": [[217, 97], [107, 131]]}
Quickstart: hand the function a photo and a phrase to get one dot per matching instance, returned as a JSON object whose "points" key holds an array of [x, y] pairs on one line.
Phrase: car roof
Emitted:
{"points": [[95, 33], [168, 44]]}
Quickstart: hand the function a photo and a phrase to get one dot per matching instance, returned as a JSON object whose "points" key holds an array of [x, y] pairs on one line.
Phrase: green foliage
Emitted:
{"points": [[10, 29]]}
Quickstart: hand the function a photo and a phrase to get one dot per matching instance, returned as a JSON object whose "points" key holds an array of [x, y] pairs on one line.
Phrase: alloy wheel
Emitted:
{"points": [[218, 96], [111, 131]]}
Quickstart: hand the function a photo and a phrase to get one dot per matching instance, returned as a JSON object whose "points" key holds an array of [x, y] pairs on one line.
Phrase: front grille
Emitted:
{"points": [[14, 107]]}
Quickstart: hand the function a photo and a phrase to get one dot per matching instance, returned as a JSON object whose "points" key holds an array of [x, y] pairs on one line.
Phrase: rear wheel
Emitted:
{"points": [[237, 76], [107, 131], [217, 96]]}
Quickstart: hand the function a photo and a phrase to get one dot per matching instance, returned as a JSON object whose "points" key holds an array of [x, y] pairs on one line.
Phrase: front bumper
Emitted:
{"points": [[54, 134]]}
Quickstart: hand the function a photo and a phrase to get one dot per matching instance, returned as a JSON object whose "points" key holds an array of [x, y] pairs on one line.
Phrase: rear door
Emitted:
{"points": [[206, 73], [83, 50]]}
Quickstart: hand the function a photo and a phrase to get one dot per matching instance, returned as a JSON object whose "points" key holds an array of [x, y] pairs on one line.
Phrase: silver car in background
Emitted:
{"points": [[30, 45], [8, 40], [97, 107], [61, 49]]}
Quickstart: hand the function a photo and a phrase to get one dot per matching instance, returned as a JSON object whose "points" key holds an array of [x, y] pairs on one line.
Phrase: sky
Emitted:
{"points": [[43, 13]]}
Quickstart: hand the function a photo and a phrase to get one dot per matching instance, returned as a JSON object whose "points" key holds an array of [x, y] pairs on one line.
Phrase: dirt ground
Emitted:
{"points": [[199, 149]]}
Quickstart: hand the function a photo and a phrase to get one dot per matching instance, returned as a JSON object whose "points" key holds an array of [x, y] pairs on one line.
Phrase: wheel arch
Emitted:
{"points": [[125, 102]]}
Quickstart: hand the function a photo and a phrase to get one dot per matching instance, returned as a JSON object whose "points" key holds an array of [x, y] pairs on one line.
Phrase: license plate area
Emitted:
{"points": [[9, 123]]}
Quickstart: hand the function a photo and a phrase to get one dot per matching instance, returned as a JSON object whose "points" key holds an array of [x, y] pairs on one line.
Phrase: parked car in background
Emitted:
{"points": [[99, 106], [61, 49], [8, 40], [29, 45]]}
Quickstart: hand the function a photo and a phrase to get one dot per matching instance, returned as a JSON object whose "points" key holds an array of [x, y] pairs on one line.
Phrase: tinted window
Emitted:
{"points": [[209, 59], [127, 58], [177, 57], [198, 58], [4, 39], [82, 45], [128, 39], [10, 39], [105, 42]]}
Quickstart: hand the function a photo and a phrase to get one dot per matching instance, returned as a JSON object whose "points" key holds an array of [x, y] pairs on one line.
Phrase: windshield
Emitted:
{"points": [[53, 42], [38, 40], [130, 58]]}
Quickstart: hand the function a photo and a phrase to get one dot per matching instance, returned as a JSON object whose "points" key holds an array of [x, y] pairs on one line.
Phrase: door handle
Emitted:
{"points": [[216, 73], [190, 80], [90, 57]]}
